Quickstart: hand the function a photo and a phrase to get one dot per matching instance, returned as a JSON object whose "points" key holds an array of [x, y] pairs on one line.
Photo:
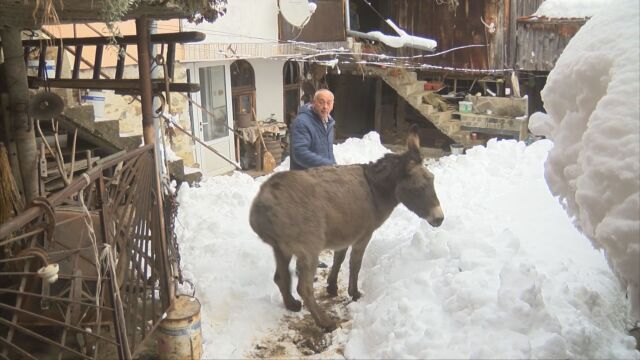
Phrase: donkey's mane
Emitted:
{"points": [[388, 170]]}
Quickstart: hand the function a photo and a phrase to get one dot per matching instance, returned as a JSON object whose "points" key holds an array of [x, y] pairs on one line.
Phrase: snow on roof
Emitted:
{"points": [[568, 9]]}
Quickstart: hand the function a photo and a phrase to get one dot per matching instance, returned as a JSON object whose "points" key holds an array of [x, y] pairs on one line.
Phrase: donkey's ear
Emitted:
{"points": [[413, 140]]}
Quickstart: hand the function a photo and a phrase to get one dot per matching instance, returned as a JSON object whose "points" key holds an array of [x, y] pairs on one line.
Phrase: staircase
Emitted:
{"points": [[407, 85], [105, 134]]}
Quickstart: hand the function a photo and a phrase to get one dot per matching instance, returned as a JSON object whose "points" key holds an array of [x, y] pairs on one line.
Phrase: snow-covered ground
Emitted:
{"points": [[506, 275]]}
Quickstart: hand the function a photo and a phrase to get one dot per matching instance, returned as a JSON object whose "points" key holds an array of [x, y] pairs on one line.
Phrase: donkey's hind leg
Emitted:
{"points": [[307, 267], [282, 278]]}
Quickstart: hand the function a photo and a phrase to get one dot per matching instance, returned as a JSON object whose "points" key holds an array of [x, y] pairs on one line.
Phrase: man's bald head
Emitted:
{"points": [[323, 103]]}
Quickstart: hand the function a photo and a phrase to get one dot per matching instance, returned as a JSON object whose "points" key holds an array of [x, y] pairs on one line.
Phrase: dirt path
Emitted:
{"points": [[298, 336]]}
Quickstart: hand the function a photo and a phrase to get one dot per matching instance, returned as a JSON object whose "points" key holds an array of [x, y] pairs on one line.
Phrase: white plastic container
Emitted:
{"points": [[95, 98], [50, 66]]}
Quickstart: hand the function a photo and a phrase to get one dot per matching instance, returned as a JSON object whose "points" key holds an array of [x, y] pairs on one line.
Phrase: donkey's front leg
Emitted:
{"points": [[332, 280], [355, 261]]}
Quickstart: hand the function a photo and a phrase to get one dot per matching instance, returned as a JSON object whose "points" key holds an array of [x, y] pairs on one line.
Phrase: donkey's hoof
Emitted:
{"points": [[293, 305], [332, 290], [355, 295], [329, 326]]}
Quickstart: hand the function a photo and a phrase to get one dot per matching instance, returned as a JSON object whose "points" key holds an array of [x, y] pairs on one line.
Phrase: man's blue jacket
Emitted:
{"points": [[311, 143]]}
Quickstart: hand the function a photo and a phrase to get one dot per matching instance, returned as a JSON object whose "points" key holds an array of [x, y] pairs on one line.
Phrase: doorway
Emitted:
{"points": [[212, 126]]}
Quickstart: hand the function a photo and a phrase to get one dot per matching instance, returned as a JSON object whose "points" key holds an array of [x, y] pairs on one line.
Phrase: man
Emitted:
{"points": [[312, 136], [312, 133]]}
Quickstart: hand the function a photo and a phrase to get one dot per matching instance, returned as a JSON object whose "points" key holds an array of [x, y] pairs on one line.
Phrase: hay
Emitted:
{"points": [[10, 200]]}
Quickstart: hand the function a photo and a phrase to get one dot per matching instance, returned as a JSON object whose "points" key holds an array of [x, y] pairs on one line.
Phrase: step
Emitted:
{"points": [[412, 87], [51, 139], [415, 99], [105, 134], [426, 109]]}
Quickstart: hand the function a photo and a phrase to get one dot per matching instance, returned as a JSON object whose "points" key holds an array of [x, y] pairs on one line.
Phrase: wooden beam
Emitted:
{"points": [[144, 71], [119, 85], [180, 38]]}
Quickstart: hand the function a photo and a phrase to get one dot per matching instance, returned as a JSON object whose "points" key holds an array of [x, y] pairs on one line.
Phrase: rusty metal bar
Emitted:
{"points": [[20, 350], [20, 237], [54, 321], [42, 338], [56, 298], [20, 297]]}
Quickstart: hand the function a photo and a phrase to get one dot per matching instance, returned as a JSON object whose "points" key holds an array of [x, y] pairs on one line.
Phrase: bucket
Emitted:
{"points": [[95, 98], [457, 149], [244, 120], [180, 334], [465, 106]]}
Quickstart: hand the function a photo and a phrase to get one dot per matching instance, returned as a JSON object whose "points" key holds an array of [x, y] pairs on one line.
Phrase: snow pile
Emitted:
{"points": [[591, 98], [571, 8], [505, 276]]}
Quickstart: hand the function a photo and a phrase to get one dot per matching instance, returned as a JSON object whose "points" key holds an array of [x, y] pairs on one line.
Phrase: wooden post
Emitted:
{"points": [[22, 125], [377, 107], [401, 122], [144, 70]]}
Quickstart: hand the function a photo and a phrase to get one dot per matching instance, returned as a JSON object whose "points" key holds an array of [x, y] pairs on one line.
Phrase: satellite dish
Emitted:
{"points": [[296, 12]]}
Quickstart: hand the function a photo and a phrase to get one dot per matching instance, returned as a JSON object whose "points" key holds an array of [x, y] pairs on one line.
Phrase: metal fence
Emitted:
{"points": [[85, 272]]}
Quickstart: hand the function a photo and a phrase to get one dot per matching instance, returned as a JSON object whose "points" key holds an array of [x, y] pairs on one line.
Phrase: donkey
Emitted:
{"points": [[336, 207]]}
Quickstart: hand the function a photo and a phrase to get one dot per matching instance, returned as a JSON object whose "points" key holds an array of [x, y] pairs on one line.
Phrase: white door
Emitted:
{"points": [[209, 125]]}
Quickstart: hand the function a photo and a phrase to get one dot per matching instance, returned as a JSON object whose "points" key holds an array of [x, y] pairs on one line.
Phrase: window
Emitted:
{"points": [[243, 90], [214, 99], [291, 74]]}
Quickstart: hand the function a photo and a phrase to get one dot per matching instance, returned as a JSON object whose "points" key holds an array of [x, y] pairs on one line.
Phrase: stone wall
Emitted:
{"points": [[129, 112]]}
